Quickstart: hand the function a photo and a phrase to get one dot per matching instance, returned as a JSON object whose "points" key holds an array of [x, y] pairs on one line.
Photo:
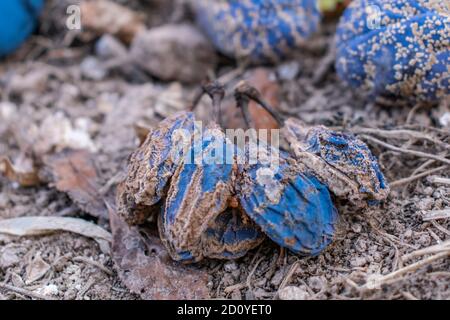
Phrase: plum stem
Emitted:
{"points": [[245, 92], [215, 90]]}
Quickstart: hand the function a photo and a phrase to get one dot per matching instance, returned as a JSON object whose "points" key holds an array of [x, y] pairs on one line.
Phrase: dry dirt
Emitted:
{"points": [[46, 78]]}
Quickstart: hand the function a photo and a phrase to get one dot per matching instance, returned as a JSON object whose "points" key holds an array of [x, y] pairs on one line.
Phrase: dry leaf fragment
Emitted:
{"points": [[37, 226], [75, 173], [145, 267], [104, 16], [261, 79], [23, 172], [36, 269]]}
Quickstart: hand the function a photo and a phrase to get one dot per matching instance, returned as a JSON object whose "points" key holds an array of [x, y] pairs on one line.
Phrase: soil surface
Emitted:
{"points": [[47, 78]]}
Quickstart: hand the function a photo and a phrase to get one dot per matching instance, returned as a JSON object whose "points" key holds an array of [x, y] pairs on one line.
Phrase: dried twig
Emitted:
{"points": [[437, 214], [401, 134], [325, 64], [412, 112], [234, 287], [397, 275], [442, 247], [406, 151], [252, 272], [422, 167], [25, 292], [440, 228], [439, 180], [416, 177], [408, 295], [289, 275], [93, 263]]}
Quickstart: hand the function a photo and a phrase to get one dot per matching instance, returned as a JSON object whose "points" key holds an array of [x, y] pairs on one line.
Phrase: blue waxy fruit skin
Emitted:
{"points": [[293, 209], [232, 235], [401, 49], [257, 29], [161, 160], [288, 201], [196, 221], [18, 19], [350, 155], [341, 161], [152, 166]]}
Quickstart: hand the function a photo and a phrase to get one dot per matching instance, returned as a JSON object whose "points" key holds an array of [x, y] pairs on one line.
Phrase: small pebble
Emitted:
{"points": [[108, 47], [93, 69], [428, 191], [444, 120], [437, 194], [174, 53], [288, 71], [230, 266], [356, 227], [49, 290], [317, 283], [358, 262]]}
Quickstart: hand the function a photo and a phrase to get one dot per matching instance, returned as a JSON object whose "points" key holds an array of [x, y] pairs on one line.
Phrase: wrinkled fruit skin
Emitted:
{"points": [[18, 19], [215, 201], [231, 235], [151, 167], [257, 29], [292, 208], [194, 223], [341, 161], [403, 53]]}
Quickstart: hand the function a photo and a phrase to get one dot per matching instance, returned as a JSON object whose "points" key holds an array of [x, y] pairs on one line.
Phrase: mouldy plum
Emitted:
{"points": [[218, 199], [396, 48], [291, 206], [195, 222], [257, 29], [152, 165], [18, 19], [341, 161]]}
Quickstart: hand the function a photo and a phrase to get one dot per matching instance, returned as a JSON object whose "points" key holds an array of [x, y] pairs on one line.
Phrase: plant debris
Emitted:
{"points": [[75, 173], [146, 268], [105, 16], [24, 172], [38, 226], [174, 52]]}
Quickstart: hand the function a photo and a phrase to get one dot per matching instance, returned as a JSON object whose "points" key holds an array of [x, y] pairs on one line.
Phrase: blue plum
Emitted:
{"points": [[291, 206], [18, 19], [152, 165], [341, 161], [396, 48], [196, 221], [257, 29]]}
